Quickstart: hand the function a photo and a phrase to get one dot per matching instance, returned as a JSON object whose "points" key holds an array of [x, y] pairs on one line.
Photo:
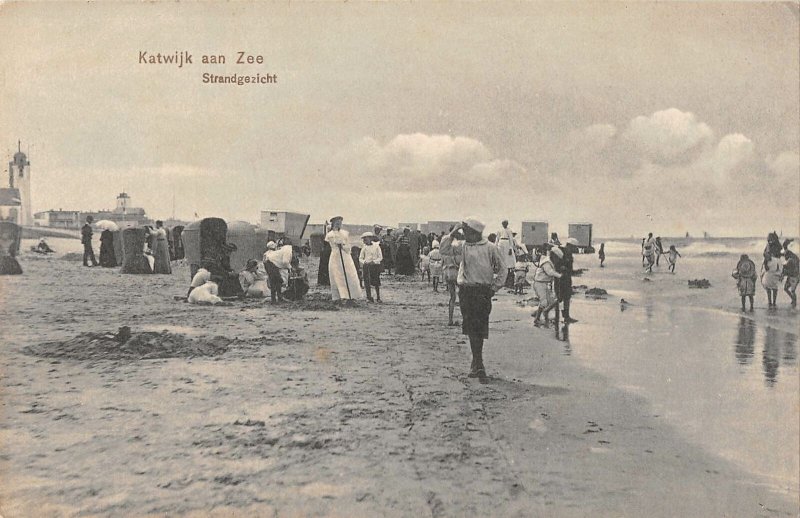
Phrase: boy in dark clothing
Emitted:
{"points": [[86, 239]]}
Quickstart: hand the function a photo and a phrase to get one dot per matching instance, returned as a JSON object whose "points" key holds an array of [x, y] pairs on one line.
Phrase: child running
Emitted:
{"points": [[436, 265], [672, 257]]}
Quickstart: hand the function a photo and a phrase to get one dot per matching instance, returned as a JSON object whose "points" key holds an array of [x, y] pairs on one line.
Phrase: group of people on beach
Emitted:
{"points": [[779, 263], [156, 248], [652, 250]]}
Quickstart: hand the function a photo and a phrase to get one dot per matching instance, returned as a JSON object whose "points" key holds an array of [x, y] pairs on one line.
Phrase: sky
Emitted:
{"points": [[639, 117]]}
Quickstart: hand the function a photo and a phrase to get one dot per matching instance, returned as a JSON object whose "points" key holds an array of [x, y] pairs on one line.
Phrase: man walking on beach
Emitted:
{"points": [[86, 239], [481, 273]]}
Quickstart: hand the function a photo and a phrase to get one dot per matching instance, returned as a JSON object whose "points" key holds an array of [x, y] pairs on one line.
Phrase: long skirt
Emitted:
{"points": [[323, 277], [747, 286], [405, 263], [108, 258], [388, 259], [161, 255], [344, 281]]}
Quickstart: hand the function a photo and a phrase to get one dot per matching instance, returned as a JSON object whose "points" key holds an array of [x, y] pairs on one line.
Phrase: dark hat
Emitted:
{"points": [[230, 247], [787, 242], [251, 263], [89, 218], [334, 218]]}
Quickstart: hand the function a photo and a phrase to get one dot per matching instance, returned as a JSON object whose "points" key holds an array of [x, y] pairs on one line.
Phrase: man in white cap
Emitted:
{"points": [[507, 246], [341, 268], [481, 273], [370, 259]]}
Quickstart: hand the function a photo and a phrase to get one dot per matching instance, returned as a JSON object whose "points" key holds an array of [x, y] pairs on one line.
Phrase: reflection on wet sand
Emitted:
{"points": [[770, 360], [745, 341], [771, 357]]}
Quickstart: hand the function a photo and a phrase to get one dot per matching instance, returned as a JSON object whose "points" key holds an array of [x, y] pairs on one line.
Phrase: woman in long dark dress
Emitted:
{"points": [[404, 262], [323, 279], [107, 257]]}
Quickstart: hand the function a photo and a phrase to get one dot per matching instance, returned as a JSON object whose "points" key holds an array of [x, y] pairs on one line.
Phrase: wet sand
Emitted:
{"points": [[364, 411]]}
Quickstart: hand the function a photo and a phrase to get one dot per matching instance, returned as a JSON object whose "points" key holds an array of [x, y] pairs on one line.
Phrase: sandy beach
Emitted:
{"points": [[676, 405]]}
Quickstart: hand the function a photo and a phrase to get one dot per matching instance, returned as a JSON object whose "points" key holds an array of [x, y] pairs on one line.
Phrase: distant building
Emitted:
{"points": [[57, 219], [124, 215]]}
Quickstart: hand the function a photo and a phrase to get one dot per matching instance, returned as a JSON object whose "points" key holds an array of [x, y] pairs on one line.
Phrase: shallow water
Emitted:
{"points": [[727, 381]]}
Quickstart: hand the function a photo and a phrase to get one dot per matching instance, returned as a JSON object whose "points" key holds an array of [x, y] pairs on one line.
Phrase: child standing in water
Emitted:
{"points": [[673, 257], [601, 254]]}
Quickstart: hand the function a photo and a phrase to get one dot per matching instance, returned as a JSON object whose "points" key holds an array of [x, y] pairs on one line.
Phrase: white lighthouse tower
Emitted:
{"points": [[19, 177]]}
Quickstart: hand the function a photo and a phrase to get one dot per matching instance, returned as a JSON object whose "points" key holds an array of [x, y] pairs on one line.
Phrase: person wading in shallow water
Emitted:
{"points": [[481, 274], [791, 270]]}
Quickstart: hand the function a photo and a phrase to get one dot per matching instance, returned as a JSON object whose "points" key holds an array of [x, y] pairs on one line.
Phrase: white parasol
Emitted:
{"points": [[106, 224]]}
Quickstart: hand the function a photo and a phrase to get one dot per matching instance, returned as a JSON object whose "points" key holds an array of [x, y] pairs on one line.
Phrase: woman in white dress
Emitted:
{"points": [[341, 268]]}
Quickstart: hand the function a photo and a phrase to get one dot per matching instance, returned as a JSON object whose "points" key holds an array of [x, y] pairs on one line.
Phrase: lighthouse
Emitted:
{"points": [[19, 177]]}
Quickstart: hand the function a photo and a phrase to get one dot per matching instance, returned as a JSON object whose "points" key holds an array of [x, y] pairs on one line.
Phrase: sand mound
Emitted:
{"points": [[72, 256], [130, 346]]}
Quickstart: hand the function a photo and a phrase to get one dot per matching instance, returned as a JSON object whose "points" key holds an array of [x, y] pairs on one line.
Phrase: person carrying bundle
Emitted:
{"points": [[274, 279]]}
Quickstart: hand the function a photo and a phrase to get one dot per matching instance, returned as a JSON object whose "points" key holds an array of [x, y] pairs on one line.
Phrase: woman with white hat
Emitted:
{"points": [[341, 268]]}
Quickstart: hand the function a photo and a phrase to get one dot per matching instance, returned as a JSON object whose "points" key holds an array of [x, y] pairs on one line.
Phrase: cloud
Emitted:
{"points": [[594, 138], [419, 162], [668, 137], [786, 164]]}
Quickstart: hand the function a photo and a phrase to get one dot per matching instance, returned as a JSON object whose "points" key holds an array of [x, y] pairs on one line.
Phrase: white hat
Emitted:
{"points": [[435, 244], [475, 224], [367, 234], [557, 251], [571, 241], [271, 245]]}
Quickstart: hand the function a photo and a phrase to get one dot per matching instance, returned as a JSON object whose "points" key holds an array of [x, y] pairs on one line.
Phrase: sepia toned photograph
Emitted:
{"points": [[399, 259]]}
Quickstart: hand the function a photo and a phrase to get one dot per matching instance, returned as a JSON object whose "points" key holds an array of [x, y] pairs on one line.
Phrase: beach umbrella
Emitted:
{"points": [[106, 224]]}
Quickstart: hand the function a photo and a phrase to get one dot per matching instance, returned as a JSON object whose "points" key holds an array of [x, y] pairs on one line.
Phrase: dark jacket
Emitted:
{"points": [[86, 234]]}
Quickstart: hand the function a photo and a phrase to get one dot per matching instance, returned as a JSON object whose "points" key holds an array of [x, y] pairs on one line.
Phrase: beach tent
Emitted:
{"points": [[118, 248], [315, 241], [10, 235], [133, 259], [250, 241], [177, 241], [534, 233], [203, 239]]}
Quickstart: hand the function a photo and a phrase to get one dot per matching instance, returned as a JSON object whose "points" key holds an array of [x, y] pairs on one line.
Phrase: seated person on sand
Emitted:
{"points": [[253, 281], [207, 294], [298, 282], [43, 247], [202, 276]]}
